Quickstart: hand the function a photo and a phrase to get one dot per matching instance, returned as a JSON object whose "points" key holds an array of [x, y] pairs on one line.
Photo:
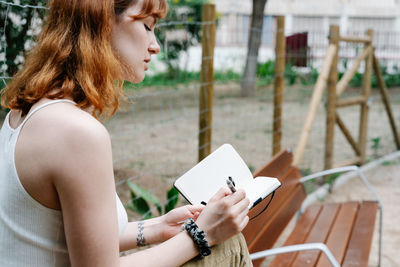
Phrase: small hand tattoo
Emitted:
{"points": [[140, 240]]}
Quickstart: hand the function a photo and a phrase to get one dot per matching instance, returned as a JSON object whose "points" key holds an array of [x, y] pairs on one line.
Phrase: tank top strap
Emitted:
{"points": [[42, 106]]}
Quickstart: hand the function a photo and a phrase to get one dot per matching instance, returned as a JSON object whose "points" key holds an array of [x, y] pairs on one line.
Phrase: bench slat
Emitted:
{"points": [[273, 228], [357, 253], [319, 233], [345, 228], [282, 160], [285, 192], [298, 235], [339, 236], [277, 166]]}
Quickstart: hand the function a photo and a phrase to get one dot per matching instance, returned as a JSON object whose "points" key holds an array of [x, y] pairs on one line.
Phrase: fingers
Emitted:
{"points": [[240, 211], [242, 219], [194, 208], [221, 193], [242, 205], [236, 197]]}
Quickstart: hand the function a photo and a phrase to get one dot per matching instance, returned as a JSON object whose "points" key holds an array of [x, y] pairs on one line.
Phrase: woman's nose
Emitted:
{"points": [[154, 47]]}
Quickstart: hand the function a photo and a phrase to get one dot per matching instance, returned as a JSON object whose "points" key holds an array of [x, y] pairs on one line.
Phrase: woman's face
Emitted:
{"points": [[135, 42]]}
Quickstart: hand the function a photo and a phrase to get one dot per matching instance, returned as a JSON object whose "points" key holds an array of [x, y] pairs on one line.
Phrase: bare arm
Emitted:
{"points": [[224, 216], [149, 231], [157, 230], [81, 167]]}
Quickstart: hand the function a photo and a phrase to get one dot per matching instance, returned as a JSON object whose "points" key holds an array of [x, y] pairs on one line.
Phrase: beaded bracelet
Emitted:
{"points": [[199, 237]]}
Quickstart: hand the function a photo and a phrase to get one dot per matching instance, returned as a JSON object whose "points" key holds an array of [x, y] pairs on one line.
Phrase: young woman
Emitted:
{"points": [[58, 205]]}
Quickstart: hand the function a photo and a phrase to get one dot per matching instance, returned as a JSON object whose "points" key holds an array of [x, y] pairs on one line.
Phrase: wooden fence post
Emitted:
{"points": [[386, 102], [207, 80], [366, 92], [331, 103], [278, 84]]}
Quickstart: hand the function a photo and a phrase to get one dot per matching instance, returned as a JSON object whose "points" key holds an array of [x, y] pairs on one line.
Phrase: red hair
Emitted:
{"points": [[74, 54]]}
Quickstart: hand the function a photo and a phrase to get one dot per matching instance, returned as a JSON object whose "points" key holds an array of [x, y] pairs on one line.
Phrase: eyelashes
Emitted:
{"points": [[147, 28]]}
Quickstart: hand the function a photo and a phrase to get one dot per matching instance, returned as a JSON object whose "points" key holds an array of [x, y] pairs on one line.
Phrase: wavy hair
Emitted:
{"points": [[74, 54]]}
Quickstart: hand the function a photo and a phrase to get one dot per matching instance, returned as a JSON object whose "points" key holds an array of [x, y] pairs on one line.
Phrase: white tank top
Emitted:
{"points": [[30, 233]]}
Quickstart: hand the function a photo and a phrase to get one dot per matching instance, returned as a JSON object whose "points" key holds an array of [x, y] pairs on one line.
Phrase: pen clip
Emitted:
{"points": [[231, 179], [231, 184]]}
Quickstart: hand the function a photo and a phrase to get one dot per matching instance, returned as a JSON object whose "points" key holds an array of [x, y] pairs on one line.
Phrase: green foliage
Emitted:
{"points": [[290, 75], [143, 200], [140, 205], [309, 78], [309, 186], [228, 75], [266, 69], [182, 77], [265, 75], [313, 184], [240, 136], [376, 146], [172, 199], [390, 162], [391, 78], [265, 72], [330, 179], [19, 34], [3, 112], [163, 79], [187, 33], [306, 172], [251, 168]]}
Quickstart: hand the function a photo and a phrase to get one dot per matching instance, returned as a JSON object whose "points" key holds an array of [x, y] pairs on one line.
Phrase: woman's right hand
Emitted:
{"points": [[224, 216]]}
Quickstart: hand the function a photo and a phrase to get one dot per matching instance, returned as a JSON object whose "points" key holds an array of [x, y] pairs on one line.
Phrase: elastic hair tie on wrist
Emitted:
{"points": [[198, 236]]}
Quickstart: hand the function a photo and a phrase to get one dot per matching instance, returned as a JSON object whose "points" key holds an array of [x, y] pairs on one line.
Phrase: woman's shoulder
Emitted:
{"points": [[61, 141], [66, 120], [62, 130]]}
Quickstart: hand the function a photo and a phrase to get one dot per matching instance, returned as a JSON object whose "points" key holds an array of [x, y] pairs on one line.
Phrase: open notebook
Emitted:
{"points": [[201, 182]]}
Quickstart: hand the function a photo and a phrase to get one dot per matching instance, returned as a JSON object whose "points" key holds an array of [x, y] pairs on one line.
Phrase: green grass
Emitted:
{"points": [[180, 78], [265, 76]]}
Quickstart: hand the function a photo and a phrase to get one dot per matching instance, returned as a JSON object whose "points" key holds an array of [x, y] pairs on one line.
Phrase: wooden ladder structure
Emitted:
{"points": [[328, 78]]}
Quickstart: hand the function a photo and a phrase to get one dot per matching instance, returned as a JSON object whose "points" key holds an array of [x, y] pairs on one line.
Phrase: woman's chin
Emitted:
{"points": [[134, 78]]}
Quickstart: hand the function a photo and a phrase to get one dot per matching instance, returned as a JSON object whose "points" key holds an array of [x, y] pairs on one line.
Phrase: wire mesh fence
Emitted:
{"points": [[155, 135]]}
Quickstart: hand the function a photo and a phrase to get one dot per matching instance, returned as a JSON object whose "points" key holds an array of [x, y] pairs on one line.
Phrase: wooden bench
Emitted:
{"points": [[345, 228]]}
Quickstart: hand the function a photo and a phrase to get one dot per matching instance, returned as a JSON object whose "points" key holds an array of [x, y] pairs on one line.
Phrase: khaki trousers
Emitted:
{"points": [[232, 252]]}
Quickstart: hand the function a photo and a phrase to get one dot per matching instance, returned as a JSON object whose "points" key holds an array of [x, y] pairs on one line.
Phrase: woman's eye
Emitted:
{"points": [[147, 28]]}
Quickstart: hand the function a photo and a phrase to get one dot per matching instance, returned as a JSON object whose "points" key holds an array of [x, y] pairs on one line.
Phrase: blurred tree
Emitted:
{"points": [[178, 31], [23, 24], [19, 28], [250, 71]]}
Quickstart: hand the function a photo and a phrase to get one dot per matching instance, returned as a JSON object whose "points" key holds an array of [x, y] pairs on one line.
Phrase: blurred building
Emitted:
{"points": [[312, 17]]}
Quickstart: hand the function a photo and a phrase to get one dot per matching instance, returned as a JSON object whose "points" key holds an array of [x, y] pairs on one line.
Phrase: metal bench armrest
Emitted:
{"points": [[294, 248], [344, 169], [366, 183]]}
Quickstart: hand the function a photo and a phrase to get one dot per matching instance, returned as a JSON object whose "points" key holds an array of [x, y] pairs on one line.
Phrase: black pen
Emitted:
{"points": [[230, 185]]}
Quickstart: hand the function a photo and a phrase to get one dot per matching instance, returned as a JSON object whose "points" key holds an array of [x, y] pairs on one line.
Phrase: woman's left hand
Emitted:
{"points": [[173, 220]]}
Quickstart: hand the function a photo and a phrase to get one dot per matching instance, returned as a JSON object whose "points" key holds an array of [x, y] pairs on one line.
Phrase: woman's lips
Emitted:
{"points": [[146, 61]]}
